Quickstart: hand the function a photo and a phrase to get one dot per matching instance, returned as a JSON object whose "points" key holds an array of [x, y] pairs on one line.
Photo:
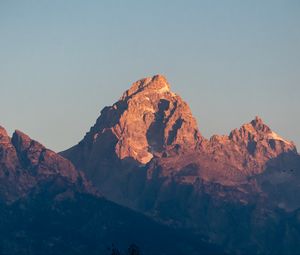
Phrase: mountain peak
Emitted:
{"points": [[20, 134], [20, 140], [3, 132], [257, 120], [256, 130], [156, 84], [147, 120], [266, 132], [155, 119], [259, 125], [159, 78]]}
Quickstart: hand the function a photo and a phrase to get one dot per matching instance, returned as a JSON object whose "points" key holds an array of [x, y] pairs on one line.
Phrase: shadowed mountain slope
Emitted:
{"points": [[48, 207]]}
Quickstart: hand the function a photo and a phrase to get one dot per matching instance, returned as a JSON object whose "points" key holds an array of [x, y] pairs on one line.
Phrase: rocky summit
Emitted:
{"points": [[148, 120], [25, 164], [146, 152], [152, 123], [250, 147]]}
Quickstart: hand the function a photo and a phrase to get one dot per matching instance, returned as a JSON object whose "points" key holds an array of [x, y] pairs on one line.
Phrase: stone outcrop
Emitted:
{"points": [[25, 163]]}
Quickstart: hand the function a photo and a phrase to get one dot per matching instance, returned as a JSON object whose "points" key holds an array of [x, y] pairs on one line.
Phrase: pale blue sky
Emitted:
{"points": [[61, 62]]}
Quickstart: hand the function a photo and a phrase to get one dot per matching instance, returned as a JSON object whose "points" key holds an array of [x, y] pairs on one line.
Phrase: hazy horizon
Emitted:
{"points": [[61, 62]]}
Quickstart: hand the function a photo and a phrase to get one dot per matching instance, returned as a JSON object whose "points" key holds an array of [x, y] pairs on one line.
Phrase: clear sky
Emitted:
{"points": [[62, 61]]}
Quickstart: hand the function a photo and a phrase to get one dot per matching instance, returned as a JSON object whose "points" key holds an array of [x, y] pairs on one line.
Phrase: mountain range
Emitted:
{"points": [[144, 174], [49, 207]]}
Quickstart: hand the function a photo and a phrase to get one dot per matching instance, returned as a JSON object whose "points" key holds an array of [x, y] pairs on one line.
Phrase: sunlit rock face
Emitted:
{"points": [[148, 120], [151, 123], [250, 148], [155, 120], [146, 152]]}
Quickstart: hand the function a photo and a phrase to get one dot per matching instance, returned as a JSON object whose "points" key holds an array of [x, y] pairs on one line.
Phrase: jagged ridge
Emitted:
{"points": [[147, 153]]}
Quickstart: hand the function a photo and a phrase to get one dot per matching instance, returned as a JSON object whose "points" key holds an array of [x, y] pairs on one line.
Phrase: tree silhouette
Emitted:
{"points": [[114, 250], [133, 250]]}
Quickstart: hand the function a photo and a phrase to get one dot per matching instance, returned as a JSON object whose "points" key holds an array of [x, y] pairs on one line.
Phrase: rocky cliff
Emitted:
{"points": [[151, 123], [25, 163], [148, 120], [250, 147], [146, 152]]}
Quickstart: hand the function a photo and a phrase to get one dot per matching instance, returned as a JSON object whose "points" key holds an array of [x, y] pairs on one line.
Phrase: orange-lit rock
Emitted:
{"points": [[152, 126], [249, 148], [145, 152], [147, 120]]}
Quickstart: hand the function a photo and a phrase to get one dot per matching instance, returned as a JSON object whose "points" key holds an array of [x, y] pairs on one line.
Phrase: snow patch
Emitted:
{"points": [[164, 89], [275, 136]]}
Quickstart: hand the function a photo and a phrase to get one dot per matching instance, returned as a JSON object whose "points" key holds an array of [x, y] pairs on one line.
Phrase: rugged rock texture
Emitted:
{"points": [[249, 148], [146, 152], [24, 163], [151, 123], [48, 207], [147, 120], [155, 120]]}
